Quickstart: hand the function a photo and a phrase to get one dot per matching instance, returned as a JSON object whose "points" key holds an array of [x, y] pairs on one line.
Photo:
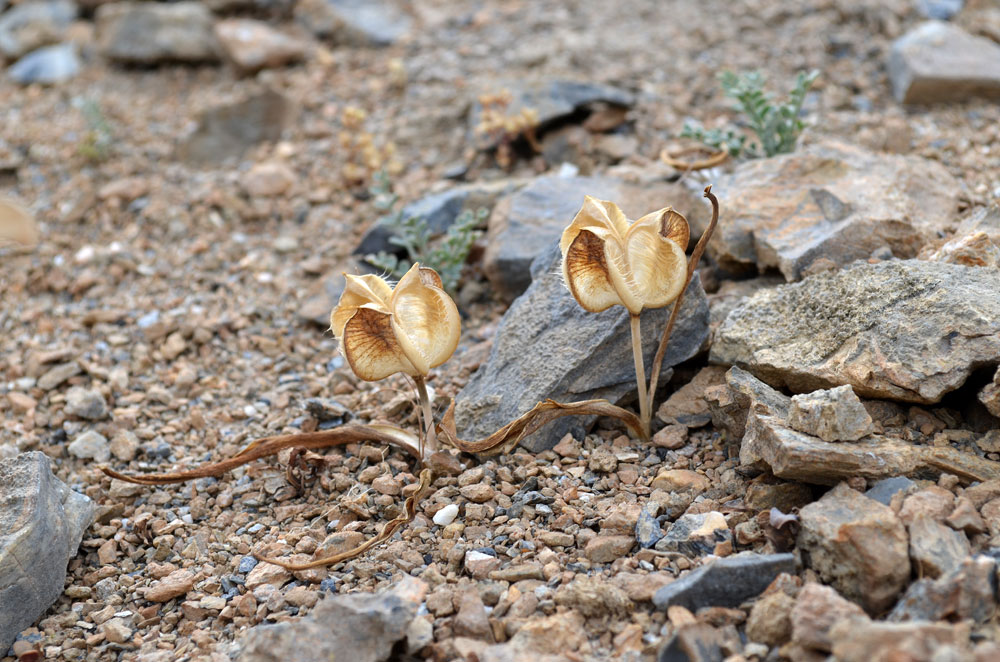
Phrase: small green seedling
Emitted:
{"points": [[776, 125]]}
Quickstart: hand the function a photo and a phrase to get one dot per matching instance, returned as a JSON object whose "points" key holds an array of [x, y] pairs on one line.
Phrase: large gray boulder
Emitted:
{"points": [[547, 346], [828, 205], [903, 329], [148, 33], [939, 62], [41, 524]]}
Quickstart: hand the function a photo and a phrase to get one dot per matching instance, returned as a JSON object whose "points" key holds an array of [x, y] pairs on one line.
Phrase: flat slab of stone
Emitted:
{"points": [[355, 22], [41, 524], [940, 62], [830, 204], [903, 329], [726, 582], [547, 346], [792, 455], [148, 33]]}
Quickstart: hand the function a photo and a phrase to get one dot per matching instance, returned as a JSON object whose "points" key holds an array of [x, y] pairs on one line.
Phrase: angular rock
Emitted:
{"points": [[30, 25], [553, 100], [939, 9], [976, 242], [883, 490], [605, 549], [857, 545], [696, 535], [542, 640], [438, 210], [940, 62], [830, 201], [174, 585], [905, 330], [147, 33], [470, 615], [90, 444], [834, 414], [354, 22], [969, 591], [990, 395], [594, 597], [575, 355], [527, 222], [85, 403], [48, 65], [254, 45], [936, 549], [687, 404], [863, 640], [368, 625], [729, 405], [228, 130], [817, 609], [647, 529], [770, 620], [696, 642], [725, 582], [41, 524]]}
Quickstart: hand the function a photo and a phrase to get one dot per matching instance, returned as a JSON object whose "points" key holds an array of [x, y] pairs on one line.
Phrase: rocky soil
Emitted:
{"points": [[824, 477]]}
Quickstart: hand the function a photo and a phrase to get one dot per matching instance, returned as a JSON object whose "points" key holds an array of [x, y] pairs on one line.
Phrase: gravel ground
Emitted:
{"points": [[174, 289]]}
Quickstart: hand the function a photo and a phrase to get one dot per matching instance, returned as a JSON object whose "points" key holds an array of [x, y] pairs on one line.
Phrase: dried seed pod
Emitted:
{"points": [[384, 330], [608, 261]]}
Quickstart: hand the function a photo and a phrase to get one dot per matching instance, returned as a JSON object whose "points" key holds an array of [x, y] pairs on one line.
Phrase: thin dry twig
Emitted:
{"points": [[409, 512], [699, 249], [689, 166], [345, 434]]}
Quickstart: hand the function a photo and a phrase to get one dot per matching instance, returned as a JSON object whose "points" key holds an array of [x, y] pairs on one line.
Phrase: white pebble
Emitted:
{"points": [[446, 515]]}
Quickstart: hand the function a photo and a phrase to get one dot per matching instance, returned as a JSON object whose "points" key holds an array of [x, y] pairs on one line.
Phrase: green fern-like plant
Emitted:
{"points": [[446, 254], [776, 125]]}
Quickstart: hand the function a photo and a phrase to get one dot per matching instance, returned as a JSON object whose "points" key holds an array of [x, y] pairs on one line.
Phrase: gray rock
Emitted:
{"points": [[438, 210], [969, 591], [834, 414], [551, 100], [730, 406], [905, 330], [990, 395], [647, 529], [90, 444], [85, 403], [830, 204], [48, 65], [227, 131], [41, 524], [883, 490], [31, 25], [527, 222], [940, 62], [148, 33], [696, 535], [769, 444], [857, 545], [575, 355], [939, 9], [355, 22], [725, 582], [58, 374], [936, 549], [254, 45], [364, 624]]}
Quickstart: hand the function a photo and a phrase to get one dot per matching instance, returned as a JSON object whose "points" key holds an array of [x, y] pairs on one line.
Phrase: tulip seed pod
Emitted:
{"points": [[384, 330], [607, 261]]}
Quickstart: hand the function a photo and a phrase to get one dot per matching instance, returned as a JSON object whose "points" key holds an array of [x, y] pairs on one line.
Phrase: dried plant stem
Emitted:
{"points": [[661, 350], [688, 166], [428, 440], [409, 511], [640, 373]]}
